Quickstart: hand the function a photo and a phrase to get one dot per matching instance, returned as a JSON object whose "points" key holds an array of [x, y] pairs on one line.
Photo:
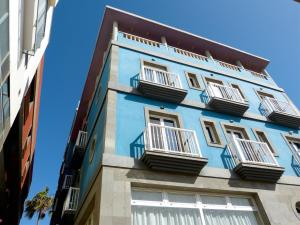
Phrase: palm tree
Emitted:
{"points": [[40, 204]]}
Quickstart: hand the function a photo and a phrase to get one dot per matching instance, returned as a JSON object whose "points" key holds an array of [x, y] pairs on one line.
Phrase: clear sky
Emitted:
{"points": [[267, 28]]}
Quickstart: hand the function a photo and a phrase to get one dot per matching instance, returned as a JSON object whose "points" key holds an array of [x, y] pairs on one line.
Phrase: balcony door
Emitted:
{"points": [[156, 73], [164, 135], [216, 90], [235, 133]]}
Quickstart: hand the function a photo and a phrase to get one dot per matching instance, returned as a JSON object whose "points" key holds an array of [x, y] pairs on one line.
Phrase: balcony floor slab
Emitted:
{"points": [[173, 162], [259, 172], [161, 92], [285, 119], [227, 106]]}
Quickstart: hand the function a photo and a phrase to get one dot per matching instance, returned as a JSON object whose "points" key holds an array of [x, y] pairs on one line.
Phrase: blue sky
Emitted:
{"points": [[267, 28]]}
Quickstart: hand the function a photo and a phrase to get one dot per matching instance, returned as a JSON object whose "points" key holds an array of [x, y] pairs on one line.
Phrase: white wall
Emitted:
{"points": [[21, 77]]}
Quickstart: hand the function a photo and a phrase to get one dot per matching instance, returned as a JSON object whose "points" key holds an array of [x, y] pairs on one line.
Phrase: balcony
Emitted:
{"points": [[226, 99], [254, 161], [70, 206], [68, 180], [186, 55], [79, 150], [281, 112], [172, 149], [161, 85]]}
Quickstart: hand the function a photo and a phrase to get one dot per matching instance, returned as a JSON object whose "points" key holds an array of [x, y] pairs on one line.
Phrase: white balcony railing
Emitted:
{"points": [[160, 77], [273, 105], [251, 152], [171, 140], [81, 139], [67, 181], [71, 201], [189, 54], [141, 40], [260, 75], [228, 65], [224, 92]]}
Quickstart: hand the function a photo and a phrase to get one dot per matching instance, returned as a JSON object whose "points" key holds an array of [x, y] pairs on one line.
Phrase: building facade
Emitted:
{"points": [[173, 128], [24, 36]]}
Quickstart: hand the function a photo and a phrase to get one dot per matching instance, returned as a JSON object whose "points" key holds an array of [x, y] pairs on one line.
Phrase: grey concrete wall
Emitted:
{"points": [[275, 201]]}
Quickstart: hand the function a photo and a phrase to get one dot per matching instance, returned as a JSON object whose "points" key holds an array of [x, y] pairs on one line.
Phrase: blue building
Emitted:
{"points": [[176, 129]]}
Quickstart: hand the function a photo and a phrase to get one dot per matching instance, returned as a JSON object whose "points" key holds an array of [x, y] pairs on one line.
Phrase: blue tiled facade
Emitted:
{"points": [[131, 121], [116, 119]]}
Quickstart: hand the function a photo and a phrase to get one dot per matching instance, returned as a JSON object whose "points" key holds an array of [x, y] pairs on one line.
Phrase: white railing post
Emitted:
{"points": [[115, 31], [150, 140], [197, 144], [239, 150]]}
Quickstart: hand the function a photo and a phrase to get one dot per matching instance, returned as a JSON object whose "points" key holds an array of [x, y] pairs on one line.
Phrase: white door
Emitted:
{"points": [[163, 135], [215, 88]]}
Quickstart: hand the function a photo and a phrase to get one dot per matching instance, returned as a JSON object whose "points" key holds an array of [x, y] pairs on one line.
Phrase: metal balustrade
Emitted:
{"points": [[160, 77], [224, 92], [273, 105], [171, 140], [71, 201], [67, 181], [228, 65], [81, 139], [190, 54], [248, 151]]}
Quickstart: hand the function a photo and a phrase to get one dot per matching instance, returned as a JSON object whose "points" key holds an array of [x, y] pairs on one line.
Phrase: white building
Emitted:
{"points": [[24, 35]]}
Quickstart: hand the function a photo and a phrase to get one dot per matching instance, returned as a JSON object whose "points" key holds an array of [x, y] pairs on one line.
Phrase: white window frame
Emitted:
{"points": [[198, 204]]}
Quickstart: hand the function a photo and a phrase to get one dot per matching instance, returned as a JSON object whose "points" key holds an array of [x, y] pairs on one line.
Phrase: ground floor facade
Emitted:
{"points": [[125, 192]]}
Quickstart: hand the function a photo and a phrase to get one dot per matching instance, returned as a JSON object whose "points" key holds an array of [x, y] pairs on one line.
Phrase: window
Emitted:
{"points": [[193, 81], [211, 135], [4, 39], [294, 144], [41, 22], [297, 205], [162, 208], [262, 137], [93, 148], [4, 105]]}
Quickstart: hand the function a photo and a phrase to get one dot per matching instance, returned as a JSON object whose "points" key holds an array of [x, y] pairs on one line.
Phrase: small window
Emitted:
{"points": [[193, 81], [92, 149], [262, 137], [297, 207], [239, 90], [211, 134], [294, 144]]}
